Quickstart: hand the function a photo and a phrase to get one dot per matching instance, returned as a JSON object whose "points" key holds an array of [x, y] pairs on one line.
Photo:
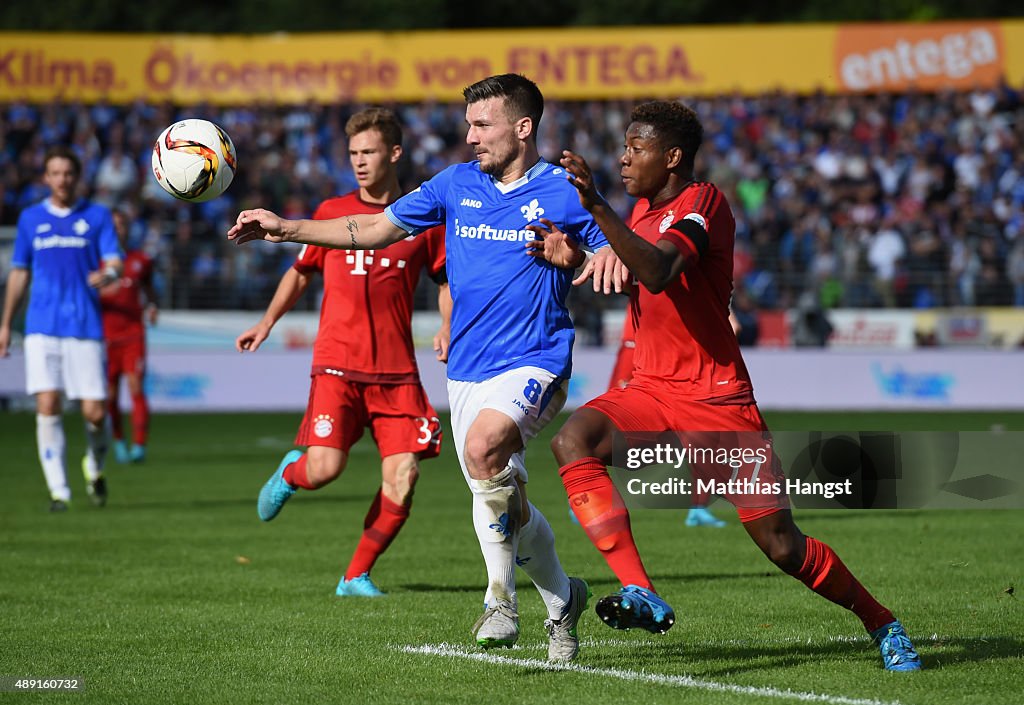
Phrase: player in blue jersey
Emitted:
{"points": [[67, 249], [511, 335]]}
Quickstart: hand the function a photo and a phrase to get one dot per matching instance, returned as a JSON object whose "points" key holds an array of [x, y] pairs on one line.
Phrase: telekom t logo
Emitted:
{"points": [[361, 258]]}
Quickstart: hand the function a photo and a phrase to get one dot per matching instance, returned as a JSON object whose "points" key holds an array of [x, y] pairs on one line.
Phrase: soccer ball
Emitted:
{"points": [[194, 160]]}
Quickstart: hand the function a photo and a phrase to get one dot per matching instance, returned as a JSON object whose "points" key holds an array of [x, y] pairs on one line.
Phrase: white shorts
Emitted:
{"points": [[72, 365], [530, 396]]}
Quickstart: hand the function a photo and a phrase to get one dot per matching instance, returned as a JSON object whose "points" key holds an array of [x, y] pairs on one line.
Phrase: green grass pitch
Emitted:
{"points": [[176, 593]]}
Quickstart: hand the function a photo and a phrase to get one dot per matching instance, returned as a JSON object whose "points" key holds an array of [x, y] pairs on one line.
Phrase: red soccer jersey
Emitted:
{"points": [[366, 314], [683, 335], [121, 302]]}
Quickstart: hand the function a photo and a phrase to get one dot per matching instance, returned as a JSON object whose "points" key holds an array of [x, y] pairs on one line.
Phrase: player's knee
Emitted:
{"points": [[399, 489], [94, 413], [783, 552], [135, 387], [321, 470], [569, 445], [481, 455]]}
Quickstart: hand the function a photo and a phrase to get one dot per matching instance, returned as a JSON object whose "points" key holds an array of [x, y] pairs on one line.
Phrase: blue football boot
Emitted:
{"points": [[359, 586], [636, 607], [276, 492], [702, 516], [898, 653]]}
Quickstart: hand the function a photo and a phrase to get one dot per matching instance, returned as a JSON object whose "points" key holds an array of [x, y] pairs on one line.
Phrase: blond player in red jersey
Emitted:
{"points": [[124, 330], [689, 377], [364, 367]]}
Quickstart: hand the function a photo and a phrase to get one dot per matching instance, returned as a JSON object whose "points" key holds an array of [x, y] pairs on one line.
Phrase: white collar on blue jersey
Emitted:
{"points": [[57, 211], [532, 173]]}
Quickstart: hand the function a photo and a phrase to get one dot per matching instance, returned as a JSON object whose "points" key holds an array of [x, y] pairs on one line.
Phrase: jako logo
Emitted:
{"points": [[501, 526], [907, 385], [902, 58], [470, 203]]}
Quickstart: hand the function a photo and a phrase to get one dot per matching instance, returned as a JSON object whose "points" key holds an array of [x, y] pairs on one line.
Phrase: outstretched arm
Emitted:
{"points": [[349, 232], [292, 286], [655, 266]]}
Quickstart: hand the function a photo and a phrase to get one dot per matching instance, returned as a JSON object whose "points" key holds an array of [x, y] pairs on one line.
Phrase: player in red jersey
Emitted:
{"points": [[623, 370], [689, 377], [124, 330], [622, 373], [364, 367]]}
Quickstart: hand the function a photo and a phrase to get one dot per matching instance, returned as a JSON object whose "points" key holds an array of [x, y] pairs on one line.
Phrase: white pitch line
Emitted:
{"points": [[641, 641], [450, 651]]}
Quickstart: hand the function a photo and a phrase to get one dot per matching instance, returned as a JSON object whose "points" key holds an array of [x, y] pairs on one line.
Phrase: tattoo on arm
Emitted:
{"points": [[353, 228]]}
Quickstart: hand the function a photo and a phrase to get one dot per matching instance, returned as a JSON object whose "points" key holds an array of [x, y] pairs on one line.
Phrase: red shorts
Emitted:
{"points": [[738, 430], [126, 356], [399, 416]]}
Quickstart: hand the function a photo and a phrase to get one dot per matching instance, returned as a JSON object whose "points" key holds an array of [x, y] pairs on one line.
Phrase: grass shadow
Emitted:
{"points": [[719, 660]]}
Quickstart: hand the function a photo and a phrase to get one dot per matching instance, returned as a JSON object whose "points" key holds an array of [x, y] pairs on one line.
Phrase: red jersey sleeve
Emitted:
{"points": [[435, 254], [310, 259], [689, 233]]}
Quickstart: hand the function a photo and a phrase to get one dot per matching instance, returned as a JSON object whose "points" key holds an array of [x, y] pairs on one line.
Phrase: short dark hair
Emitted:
{"points": [[522, 97], [61, 151], [675, 125], [380, 119]]}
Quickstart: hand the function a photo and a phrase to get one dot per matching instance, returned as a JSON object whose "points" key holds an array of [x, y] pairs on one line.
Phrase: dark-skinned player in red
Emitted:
{"points": [[689, 377]]}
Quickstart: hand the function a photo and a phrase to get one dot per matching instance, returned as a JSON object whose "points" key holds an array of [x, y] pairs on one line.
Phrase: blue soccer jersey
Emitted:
{"points": [[509, 308], [61, 247]]}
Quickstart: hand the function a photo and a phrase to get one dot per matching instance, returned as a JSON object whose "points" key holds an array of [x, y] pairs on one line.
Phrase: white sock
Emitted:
{"points": [[50, 441], [538, 558], [96, 437], [496, 517]]}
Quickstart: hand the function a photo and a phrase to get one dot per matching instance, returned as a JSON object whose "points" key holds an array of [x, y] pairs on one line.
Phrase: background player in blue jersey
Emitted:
{"points": [[67, 248], [511, 335]]}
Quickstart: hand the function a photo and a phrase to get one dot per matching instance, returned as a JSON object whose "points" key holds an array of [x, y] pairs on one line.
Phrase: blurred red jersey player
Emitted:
{"points": [[124, 330], [364, 366]]}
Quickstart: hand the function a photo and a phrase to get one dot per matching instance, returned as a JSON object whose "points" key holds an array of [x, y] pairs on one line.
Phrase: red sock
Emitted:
{"points": [[825, 573], [381, 526], [114, 412], [602, 514], [295, 474], [140, 419]]}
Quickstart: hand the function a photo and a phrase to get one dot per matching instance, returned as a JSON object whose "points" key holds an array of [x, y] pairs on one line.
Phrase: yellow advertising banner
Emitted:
{"points": [[616, 63]]}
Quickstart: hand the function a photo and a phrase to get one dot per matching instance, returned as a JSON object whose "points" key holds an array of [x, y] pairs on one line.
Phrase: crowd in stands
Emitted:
{"points": [[910, 200]]}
